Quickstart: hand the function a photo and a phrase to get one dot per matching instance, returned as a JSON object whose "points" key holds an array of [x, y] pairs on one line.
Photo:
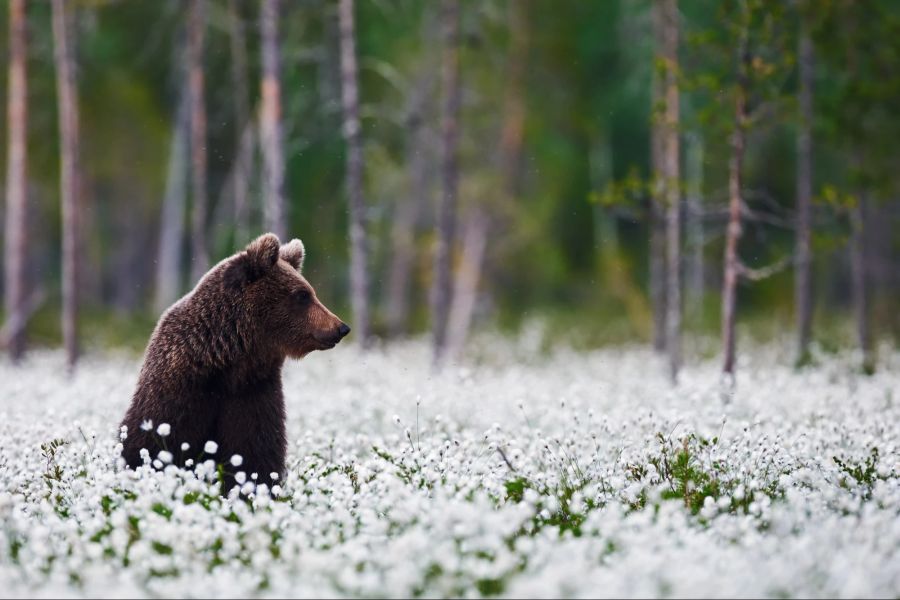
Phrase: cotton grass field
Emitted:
{"points": [[531, 474]]}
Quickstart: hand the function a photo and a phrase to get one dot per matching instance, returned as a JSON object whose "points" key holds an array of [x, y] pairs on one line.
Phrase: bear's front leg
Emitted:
{"points": [[252, 426]]}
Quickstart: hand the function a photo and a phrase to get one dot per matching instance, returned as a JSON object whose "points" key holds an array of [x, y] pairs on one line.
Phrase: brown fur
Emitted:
{"points": [[212, 369]]}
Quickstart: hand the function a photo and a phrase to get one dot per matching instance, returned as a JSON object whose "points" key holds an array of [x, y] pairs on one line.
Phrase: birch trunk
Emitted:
{"points": [[196, 34], [802, 277], [478, 224], [465, 292], [672, 179], [697, 267], [446, 217], [241, 181], [67, 95], [16, 182], [408, 209], [359, 276], [171, 235], [860, 284], [274, 214], [735, 202], [657, 200]]}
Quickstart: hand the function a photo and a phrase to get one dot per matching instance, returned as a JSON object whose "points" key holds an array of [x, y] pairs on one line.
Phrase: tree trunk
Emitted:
{"points": [[513, 134], [171, 235], [408, 209], [465, 291], [196, 33], [697, 268], [234, 206], [672, 180], [270, 122], [802, 278], [359, 276], [67, 94], [860, 287], [446, 217], [735, 203], [16, 182], [478, 225], [241, 181], [657, 200]]}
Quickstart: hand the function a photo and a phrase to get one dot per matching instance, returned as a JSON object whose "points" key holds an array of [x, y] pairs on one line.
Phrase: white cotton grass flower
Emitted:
{"points": [[185, 446], [237, 460], [164, 429], [147, 425], [210, 447], [585, 504]]}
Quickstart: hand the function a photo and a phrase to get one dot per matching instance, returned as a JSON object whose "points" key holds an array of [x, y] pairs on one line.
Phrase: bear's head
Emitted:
{"points": [[281, 304]]}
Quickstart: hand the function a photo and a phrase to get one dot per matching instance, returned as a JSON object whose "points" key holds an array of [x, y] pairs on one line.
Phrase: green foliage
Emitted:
{"points": [[863, 475], [587, 97]]}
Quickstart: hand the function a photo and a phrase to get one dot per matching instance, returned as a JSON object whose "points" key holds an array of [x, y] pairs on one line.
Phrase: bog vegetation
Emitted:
{"points": [[528, 475]]}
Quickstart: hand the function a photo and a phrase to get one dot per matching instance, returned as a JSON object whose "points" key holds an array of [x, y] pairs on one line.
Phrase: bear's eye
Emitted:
{"points": [[303, 296]]}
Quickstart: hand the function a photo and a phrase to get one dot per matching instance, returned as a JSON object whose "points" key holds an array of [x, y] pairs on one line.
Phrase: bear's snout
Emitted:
{"points": [[331, 339]]}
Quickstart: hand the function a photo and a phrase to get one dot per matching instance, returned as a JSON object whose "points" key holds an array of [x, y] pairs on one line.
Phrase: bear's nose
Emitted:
{"points": [[343, 330]]}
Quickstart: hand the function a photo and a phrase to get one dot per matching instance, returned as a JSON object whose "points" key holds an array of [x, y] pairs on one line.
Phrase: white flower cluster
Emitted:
{"points": [[571, 474]]}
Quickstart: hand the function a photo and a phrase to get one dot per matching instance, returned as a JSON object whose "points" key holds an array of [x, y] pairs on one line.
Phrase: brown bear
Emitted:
{"points": [[212, 369]]}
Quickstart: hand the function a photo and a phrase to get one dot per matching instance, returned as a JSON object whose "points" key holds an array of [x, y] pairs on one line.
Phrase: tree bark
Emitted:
{"points": [[735, 202], [196, 34], [697, 268], [672, 180], [67, 94], [657, 200], [409, 208], [465, 291], [860, 284], [359, 275], [274, 213], [446, 217], [479, 224], [171, 235], [16, 181], [513, 134], [802, 277], [241, 181]]}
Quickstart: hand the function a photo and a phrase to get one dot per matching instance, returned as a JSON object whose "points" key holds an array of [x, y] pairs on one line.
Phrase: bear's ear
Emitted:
{"points": [[260, 255], [263, 251], [293, 252]]}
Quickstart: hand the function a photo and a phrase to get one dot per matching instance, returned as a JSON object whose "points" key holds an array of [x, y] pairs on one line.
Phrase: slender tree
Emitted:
{"points": [[671, 182], [735, 197], [860, 102], [446, 216], [270, 122], [196, 34], [513, 133], [859, 279], [171, 233], [468, 274], [802, 255], [657, 200], [70, 175], [478, 223], [359, 276], [696, 278], [418, 160], [16, 181], [241, 176]]}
